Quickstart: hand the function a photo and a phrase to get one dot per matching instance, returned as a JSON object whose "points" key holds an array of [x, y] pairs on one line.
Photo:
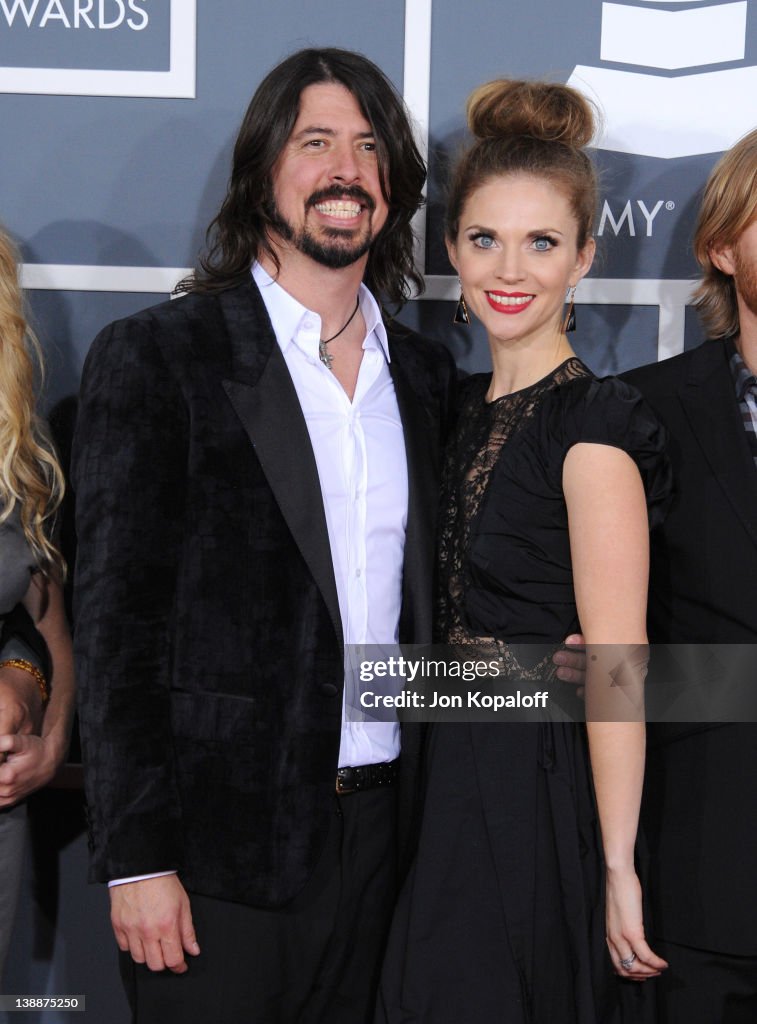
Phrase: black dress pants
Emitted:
{"points": [[313, 961]]}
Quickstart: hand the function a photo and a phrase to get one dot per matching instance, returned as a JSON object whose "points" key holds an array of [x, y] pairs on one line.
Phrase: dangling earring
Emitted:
{"points": [[461, 313], [569, 323]]}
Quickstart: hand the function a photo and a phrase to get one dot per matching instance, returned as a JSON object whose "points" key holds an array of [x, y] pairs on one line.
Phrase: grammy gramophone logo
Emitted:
{"points": [[673, 82]]}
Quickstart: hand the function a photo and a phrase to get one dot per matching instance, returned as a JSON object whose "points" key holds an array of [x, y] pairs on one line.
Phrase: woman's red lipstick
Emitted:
{"points": [[510, 302]]}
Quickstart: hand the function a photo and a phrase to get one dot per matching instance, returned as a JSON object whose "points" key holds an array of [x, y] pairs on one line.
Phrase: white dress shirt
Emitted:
{"points": [[360, 455]]}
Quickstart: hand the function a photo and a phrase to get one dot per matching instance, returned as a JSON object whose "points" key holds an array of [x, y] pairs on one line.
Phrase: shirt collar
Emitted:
{"points": [[743, 378], [289, 317]]}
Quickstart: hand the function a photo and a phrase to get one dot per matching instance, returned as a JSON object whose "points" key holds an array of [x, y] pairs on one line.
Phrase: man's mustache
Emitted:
{"points": [[343, 192]]}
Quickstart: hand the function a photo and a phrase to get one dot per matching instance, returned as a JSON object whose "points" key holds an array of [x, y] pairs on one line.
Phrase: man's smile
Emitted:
{"points": [[339, 208]]}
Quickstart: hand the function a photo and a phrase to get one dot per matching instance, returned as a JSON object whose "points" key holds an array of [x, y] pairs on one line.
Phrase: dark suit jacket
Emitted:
{"points": [[209, 642], [701, 784]]}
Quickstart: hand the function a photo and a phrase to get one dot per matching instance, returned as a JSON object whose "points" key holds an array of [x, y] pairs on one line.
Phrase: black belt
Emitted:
{"points": [[366, 776]]}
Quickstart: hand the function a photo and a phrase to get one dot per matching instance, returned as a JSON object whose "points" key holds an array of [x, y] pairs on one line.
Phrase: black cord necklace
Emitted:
{"points": [[323, 353]]}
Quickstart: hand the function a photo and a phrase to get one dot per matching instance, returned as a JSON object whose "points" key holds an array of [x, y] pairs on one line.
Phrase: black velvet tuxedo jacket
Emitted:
{"points": [[701, 783], [208, 636]]}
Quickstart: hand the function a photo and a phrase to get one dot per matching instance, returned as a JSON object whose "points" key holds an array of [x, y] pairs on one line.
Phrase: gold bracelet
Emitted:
{"points": [[27, 666]]}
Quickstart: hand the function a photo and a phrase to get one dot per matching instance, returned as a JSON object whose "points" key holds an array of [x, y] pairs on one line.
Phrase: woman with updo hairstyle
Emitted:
{"points": [[36, 693], [524, 874]]}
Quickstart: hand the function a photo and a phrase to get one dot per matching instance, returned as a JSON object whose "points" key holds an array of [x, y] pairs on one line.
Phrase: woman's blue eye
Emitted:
{"points": [[483, 241], [543, 244]]}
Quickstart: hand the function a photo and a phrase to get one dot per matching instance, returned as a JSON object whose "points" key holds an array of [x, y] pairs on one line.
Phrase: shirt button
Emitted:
{"points": [[357, 573], [329, 690]]}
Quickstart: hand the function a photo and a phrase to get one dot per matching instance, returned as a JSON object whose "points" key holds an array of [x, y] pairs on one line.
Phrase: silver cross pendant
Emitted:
{"points": [[324, 355]]}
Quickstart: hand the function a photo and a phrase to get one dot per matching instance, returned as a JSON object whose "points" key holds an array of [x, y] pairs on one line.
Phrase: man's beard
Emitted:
{"points": [[745, 280], [338, 248]]}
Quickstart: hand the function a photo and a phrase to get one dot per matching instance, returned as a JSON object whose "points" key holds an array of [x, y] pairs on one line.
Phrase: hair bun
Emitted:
{"points": [[540, 110]]}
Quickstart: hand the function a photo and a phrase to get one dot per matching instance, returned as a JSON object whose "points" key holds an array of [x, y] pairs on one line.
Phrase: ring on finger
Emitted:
{"points": [[627, 962]]}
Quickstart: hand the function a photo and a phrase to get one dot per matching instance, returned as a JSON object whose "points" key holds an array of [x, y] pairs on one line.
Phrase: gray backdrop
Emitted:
{"points": [[118, 131]]}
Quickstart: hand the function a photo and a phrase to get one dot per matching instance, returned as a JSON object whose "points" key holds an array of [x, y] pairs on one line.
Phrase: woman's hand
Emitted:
{"points": [[630, 953], [21, 713], [29, 762], [34, 738], [21, 704]]}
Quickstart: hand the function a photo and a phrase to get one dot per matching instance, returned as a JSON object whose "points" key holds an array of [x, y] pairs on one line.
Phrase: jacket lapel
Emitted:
{"points": [[264, 398], [709, 402], [421, 449]]}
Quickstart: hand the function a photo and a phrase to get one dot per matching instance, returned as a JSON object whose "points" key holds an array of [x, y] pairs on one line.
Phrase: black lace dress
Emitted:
{"points": [[501, 918]]}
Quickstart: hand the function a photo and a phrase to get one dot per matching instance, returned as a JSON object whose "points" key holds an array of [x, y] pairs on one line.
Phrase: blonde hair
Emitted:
{"points": [[729, 205], [30, 477], [534, 128]]}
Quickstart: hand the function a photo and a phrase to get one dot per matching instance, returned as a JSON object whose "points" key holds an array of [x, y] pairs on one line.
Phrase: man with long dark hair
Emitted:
{"points": [[256, 472], [701, 781]]}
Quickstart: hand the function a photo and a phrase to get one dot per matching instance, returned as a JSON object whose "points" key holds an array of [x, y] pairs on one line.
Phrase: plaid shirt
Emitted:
{"points": [[745, 383]]}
